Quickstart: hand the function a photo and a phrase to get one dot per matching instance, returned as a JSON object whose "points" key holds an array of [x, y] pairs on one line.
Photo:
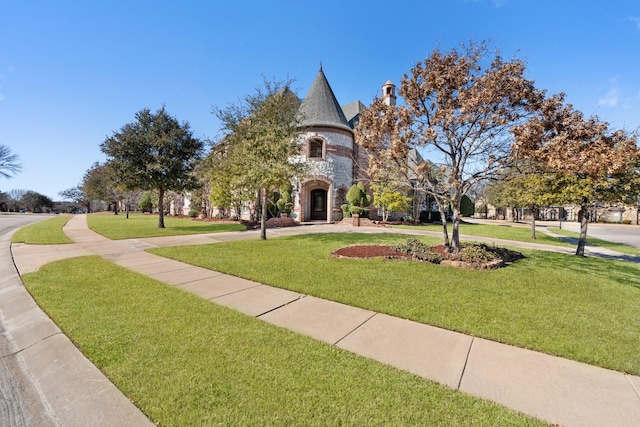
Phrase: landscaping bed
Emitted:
{"points": [[472, 255]]}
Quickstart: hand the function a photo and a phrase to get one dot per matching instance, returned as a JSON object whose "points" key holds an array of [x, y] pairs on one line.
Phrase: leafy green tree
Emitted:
{"points": [[8, 162], [467, 207], [154, 152], [259, 143], [531, 188], [390, 199], [145, 203]]}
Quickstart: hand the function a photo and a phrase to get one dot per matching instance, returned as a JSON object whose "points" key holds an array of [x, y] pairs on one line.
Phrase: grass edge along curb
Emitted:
{"points": [[188, 362], [45, 232]]}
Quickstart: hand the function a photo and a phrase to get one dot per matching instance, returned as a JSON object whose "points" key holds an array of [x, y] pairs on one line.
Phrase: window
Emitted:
{"points": [[316, 149]]}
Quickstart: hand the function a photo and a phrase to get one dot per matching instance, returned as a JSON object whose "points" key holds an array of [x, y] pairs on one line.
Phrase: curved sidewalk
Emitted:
{"points": [[551, 388]]}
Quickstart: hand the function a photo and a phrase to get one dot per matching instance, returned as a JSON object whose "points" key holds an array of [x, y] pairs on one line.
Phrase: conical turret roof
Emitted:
{"points": [[320, 107]]}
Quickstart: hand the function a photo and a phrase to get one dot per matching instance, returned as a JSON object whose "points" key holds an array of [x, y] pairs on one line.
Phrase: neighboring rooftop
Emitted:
{"points": [[352, 112]]}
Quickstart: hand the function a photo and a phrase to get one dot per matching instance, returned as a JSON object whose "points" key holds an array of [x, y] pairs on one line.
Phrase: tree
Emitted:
{"points": [[259, 142], [460, 107], [4, 201], [528, 186], [358, 199], [390, 199], [590, 159], [154, 152], [145, 203], [100, 182], [78, 195], [36, 202], [15, 196], [8, 162]]}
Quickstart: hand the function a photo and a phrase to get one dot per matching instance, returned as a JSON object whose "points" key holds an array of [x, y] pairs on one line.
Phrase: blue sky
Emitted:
{"points": [[73, 72]]}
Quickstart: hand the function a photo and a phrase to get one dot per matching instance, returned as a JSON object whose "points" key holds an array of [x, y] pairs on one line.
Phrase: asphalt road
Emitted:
{"points": [[618, 233], [20, 401]]}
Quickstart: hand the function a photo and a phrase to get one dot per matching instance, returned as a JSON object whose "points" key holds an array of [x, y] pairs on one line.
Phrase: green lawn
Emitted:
{"points": [[187, 362], [517, 232], [586, 309], [142, 225], [44, 232]]}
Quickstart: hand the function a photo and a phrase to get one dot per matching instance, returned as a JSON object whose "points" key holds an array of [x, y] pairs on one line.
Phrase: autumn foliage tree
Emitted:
{"points": [[591, 159], [459, 108]]}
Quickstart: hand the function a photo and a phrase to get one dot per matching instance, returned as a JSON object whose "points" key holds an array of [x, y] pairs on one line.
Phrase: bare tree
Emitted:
{"points": [[8, 162]]}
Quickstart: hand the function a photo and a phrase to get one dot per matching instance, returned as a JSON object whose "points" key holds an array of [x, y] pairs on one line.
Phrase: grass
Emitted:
{"points": [[140, 225], [618, 247], [44, 232], [187, 362], [585, 309], [516, 232]]}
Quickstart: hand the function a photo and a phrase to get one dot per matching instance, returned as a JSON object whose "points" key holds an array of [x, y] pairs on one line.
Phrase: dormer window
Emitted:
{"points": [[316, 149]]}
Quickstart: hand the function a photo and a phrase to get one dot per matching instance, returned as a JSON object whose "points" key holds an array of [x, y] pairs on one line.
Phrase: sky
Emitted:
{"points": [[74, 72]]}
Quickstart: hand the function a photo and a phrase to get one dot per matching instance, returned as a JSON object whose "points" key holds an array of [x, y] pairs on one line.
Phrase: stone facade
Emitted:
{"points": [[327, 146]]}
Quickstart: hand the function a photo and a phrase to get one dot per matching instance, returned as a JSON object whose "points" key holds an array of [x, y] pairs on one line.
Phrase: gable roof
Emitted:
{"points": [[352, 112], [320, 107]]}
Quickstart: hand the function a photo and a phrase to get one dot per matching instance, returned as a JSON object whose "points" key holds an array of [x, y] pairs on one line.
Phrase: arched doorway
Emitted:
{"points": [[318, 204]]}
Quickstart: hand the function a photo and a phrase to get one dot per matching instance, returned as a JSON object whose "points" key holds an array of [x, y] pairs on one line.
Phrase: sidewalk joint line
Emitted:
{"points": [[235, 292], [15, 353], [466, 360], [356, 328], [281, 305]]}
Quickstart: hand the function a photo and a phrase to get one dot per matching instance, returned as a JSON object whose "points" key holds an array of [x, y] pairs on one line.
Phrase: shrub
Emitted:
{"points": [[476, 253], [481, 253], [626, 221], [193, 213], [419, 250], [346, 213]]}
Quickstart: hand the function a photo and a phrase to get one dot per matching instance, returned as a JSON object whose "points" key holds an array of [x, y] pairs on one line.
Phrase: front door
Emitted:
{"points": [[319, 205]]}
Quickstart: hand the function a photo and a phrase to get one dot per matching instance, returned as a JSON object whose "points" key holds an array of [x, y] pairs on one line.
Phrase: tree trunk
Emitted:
{"points": [[533, 223], [263, 219], [161, 207], [126, 209], [583, 218], [455, 234], [443, 219]]}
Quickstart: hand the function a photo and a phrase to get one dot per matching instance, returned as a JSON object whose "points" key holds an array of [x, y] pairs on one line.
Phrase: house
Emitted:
{"points": [[327, 143]]}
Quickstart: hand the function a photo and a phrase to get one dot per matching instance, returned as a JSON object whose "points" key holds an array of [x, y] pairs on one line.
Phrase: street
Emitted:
{"points": [[618, 233], [20, 401]]}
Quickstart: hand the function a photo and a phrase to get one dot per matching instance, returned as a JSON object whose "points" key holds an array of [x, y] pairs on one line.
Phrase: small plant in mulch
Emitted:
{"points": [[419, 251]]}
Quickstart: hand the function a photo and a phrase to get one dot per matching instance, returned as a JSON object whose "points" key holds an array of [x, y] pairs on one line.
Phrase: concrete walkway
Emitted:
{"points": [[557, 390]]}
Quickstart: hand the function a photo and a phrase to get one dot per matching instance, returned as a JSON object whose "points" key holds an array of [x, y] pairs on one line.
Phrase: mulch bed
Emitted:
{"points": [[388, 251]]}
